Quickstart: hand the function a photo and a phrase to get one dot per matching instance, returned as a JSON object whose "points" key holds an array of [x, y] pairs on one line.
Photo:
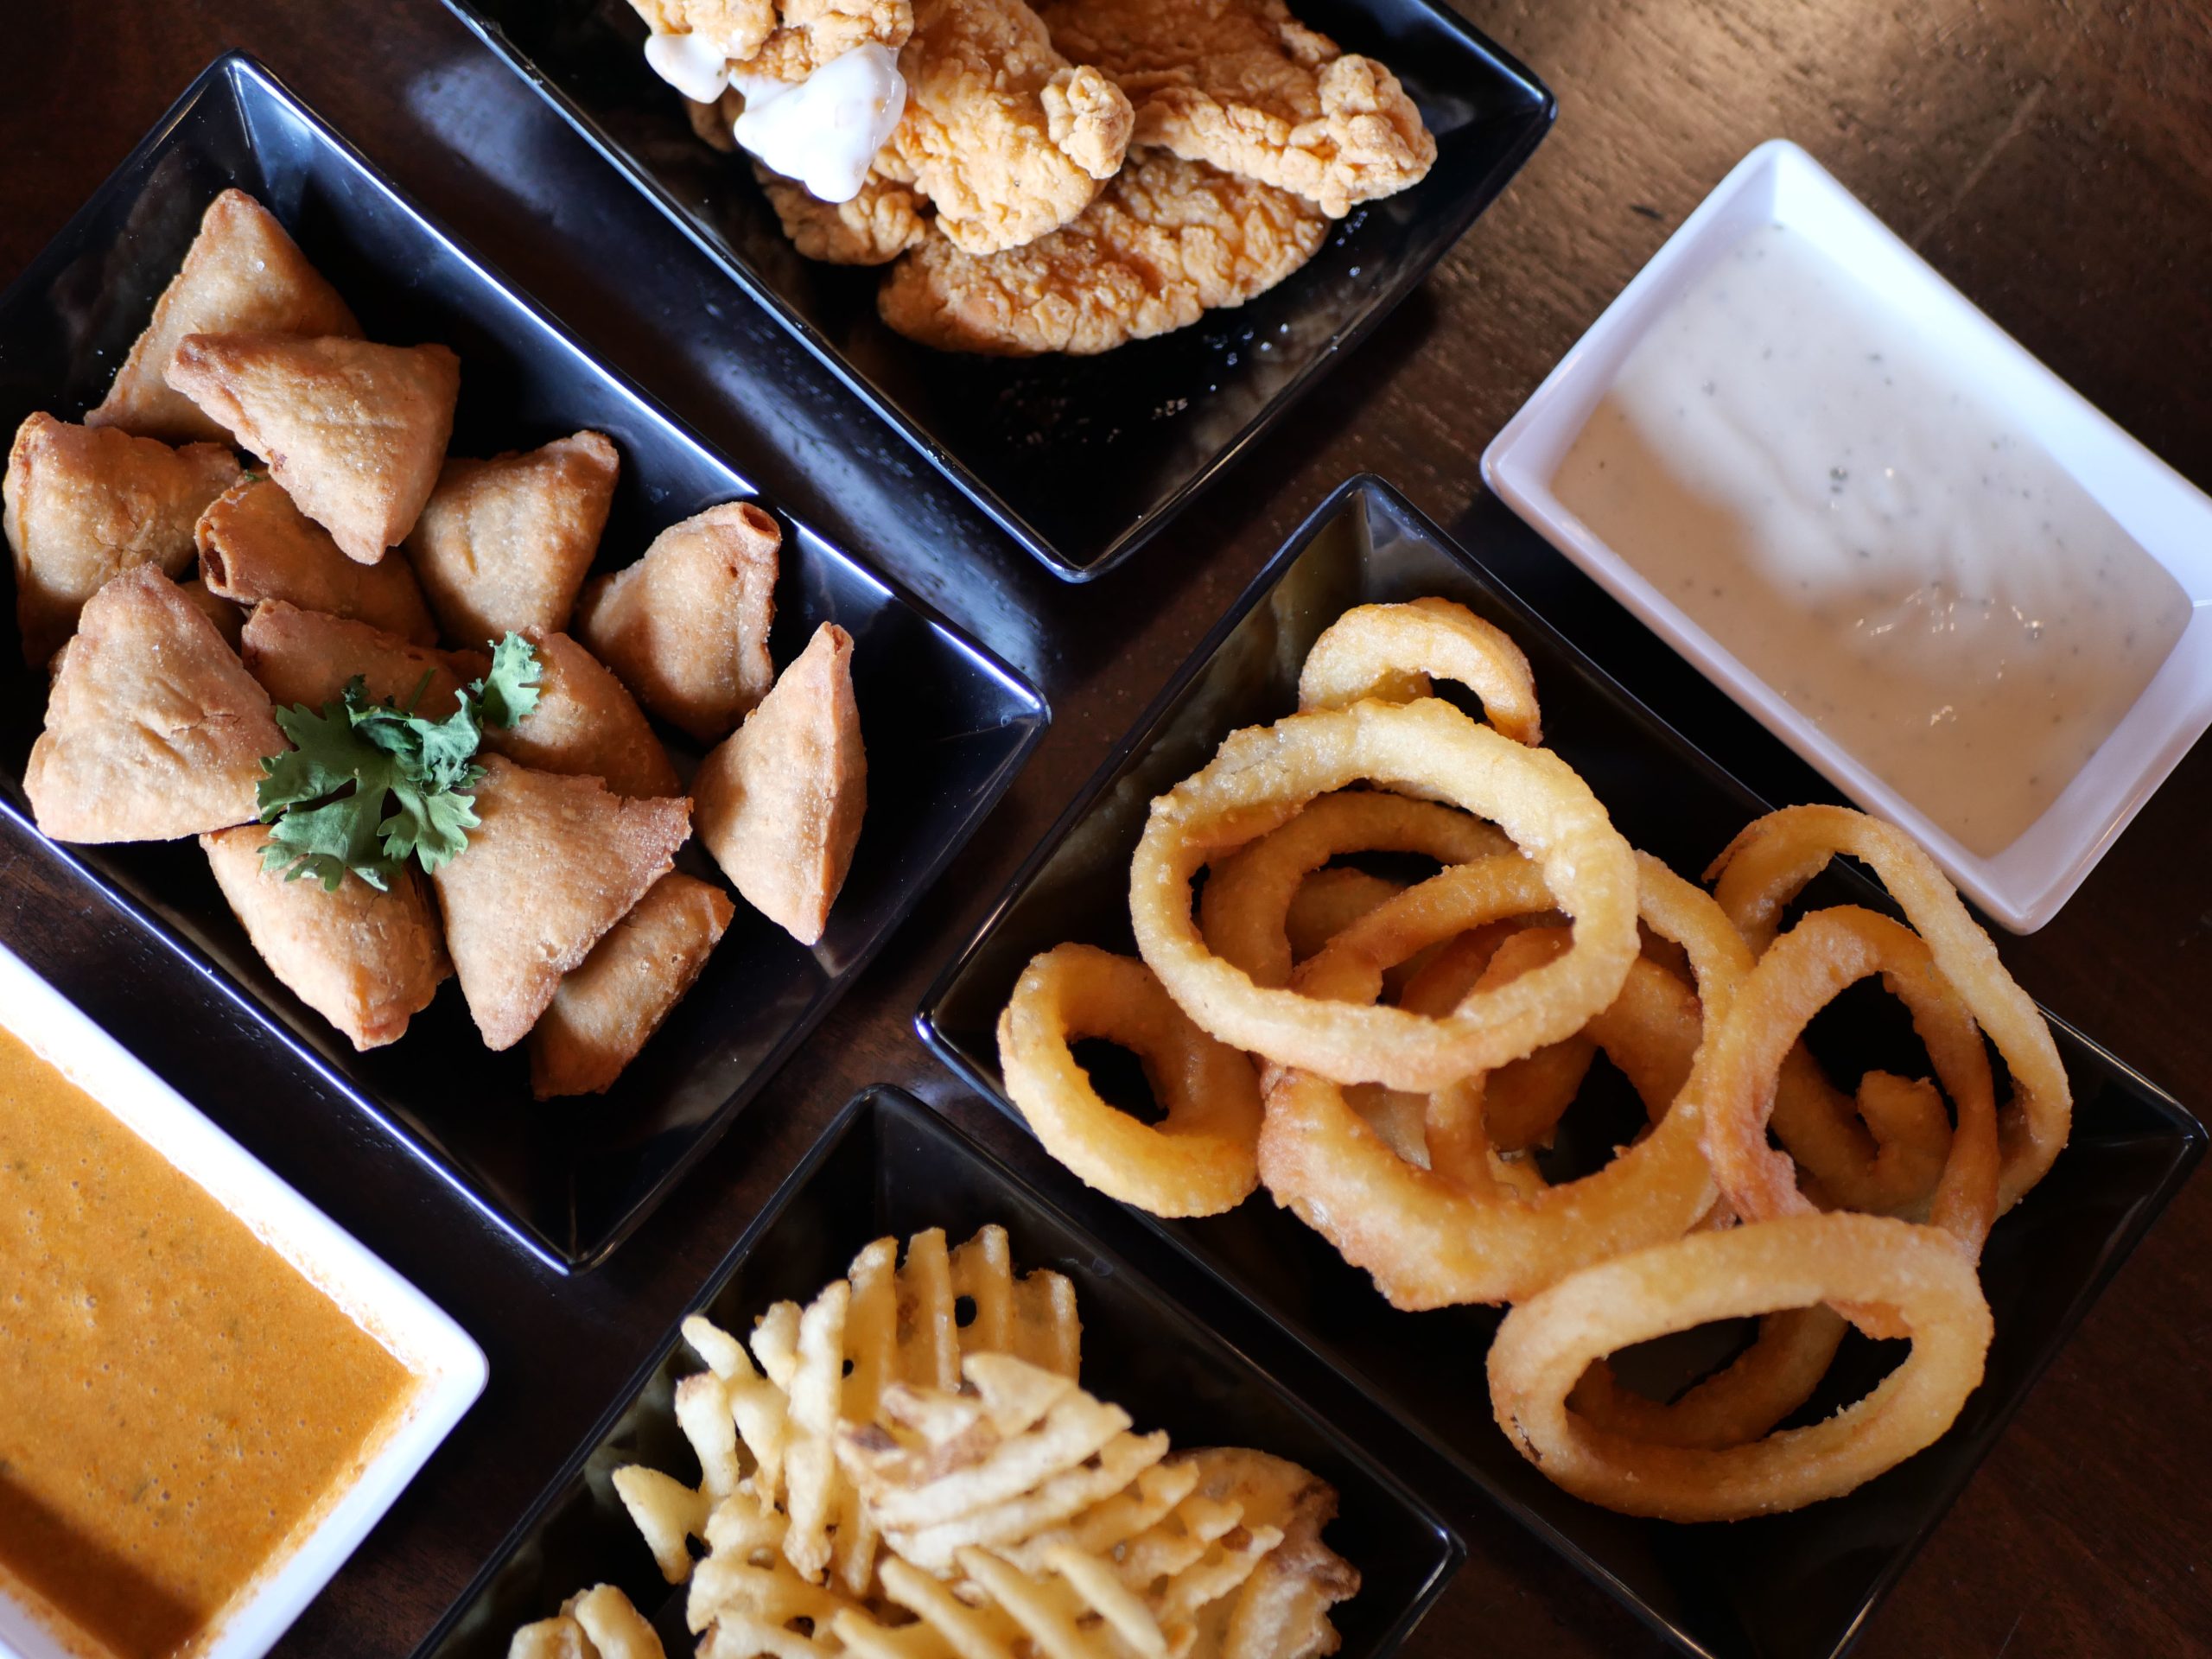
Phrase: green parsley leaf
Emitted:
{"points": [[368, 786]]}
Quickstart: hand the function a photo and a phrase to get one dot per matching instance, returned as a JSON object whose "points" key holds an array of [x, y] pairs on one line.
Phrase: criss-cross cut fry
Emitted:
{"points": [[880, 1478]]}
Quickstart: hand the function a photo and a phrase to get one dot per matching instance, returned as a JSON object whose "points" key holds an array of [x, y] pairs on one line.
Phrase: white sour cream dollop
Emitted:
{"points": [[824, 130], [696, 65]]}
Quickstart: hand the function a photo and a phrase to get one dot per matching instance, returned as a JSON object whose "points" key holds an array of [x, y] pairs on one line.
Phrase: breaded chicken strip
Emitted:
{"points": [[1243, 85], [1003, 135], [873, 228], [785, 42], [1165, 241]]}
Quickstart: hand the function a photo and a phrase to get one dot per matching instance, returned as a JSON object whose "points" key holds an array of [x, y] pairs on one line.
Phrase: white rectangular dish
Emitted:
{"points": [[449, 1368], [2024, 885]]}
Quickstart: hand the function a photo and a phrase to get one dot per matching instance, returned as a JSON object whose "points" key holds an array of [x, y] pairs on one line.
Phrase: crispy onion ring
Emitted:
{"points": [[1544, 1346], [1882, 1150], [1264, 774], [1392, 652], [1429, 1240], [1773, 859], [1326, 902], [1734, 1406], [1244, 911], [1801, 973], [1200, 1160]]}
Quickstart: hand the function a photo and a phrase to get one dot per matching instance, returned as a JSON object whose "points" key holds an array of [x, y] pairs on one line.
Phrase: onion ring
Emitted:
{"points": [[1800, 973], [1428, 1240], [1326, 902], [1881, 1150], [1264, 774], [1391, 651], [1734, 1406], [1200, 1160], [1544, 1346], [1773, 859], [1245, 909]]}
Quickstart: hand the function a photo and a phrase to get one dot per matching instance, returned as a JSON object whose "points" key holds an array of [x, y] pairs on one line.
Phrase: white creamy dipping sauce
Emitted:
{"points": [[1787, 460]]}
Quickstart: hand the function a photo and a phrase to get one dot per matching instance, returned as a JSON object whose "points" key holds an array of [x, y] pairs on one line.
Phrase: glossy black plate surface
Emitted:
{"points": [[889, 1165], [946, 726], [1786, 1587], [1080, 460]]}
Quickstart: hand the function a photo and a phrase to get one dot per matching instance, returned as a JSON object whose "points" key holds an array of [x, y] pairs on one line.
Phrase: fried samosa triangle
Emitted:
{"points": [[307, 656], [367, 961], [354, 432], [552, 863], [83, 505], [255, 544], [585, 724], [242, 274], [608, 1009], [780, 804], [686, 626], [154, 729], [504, 543]]}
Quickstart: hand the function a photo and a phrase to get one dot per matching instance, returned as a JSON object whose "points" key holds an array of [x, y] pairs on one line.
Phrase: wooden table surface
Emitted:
{"points": [[2051, 157]]}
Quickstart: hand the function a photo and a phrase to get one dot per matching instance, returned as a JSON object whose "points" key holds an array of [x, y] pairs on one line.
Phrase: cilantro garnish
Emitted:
{"points": [[367, 785]]}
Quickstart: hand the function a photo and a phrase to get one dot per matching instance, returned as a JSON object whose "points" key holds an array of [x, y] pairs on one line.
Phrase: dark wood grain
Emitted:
{"points": [[2053, 160]]}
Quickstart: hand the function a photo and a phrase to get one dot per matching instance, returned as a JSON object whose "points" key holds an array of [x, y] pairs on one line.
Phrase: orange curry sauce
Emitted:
{"points": [[175, 1398]]}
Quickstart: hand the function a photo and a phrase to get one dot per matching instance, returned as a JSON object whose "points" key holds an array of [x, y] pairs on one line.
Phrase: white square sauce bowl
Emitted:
{"points": [[2023, 885]]}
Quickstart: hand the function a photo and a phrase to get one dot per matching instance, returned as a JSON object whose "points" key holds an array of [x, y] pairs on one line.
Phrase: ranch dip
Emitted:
{"points": [[1800, 469]]}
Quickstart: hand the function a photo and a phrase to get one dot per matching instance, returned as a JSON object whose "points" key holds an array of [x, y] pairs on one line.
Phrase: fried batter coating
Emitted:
{"points": [[1166, 240], [1243, 85], [873, 228], [1004, 134], [787, 41]]}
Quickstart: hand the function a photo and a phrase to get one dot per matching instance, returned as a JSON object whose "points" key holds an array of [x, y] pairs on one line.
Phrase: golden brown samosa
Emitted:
{"points": [[255, 544], [154, 729], [607, 1010], [229, 618], [585, 724], [551, 865], [307, 656], [354, 432], [84, 504], [503, 543], [241, 274], [687, 625], [780, 804], [367, 962]]}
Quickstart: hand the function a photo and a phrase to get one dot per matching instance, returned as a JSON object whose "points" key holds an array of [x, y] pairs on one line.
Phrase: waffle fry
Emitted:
{"points": [[595, 1624], [882, 1478]]}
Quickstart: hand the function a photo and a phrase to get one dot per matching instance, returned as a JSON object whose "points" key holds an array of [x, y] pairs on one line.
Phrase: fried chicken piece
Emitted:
{"points": [[1005, 136], [1166, 240], [787, 41], [873, 228], [1243, 85]]}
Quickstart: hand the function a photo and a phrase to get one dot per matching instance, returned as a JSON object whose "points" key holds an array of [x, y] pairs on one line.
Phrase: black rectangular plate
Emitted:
{"points": [[888, 1164], [1080, 460], [947, 726], [1785, 1587]]}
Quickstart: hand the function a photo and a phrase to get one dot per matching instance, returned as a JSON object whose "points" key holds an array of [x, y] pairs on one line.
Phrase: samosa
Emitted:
{"points": [[307, 656], [552, 863], [367, 961], [354, 432], [586, 724], [83, 504], [780, 804], [686, 626], [255, 544], [607, 1009], [241, 274], [154, 729], [503, 544]]}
